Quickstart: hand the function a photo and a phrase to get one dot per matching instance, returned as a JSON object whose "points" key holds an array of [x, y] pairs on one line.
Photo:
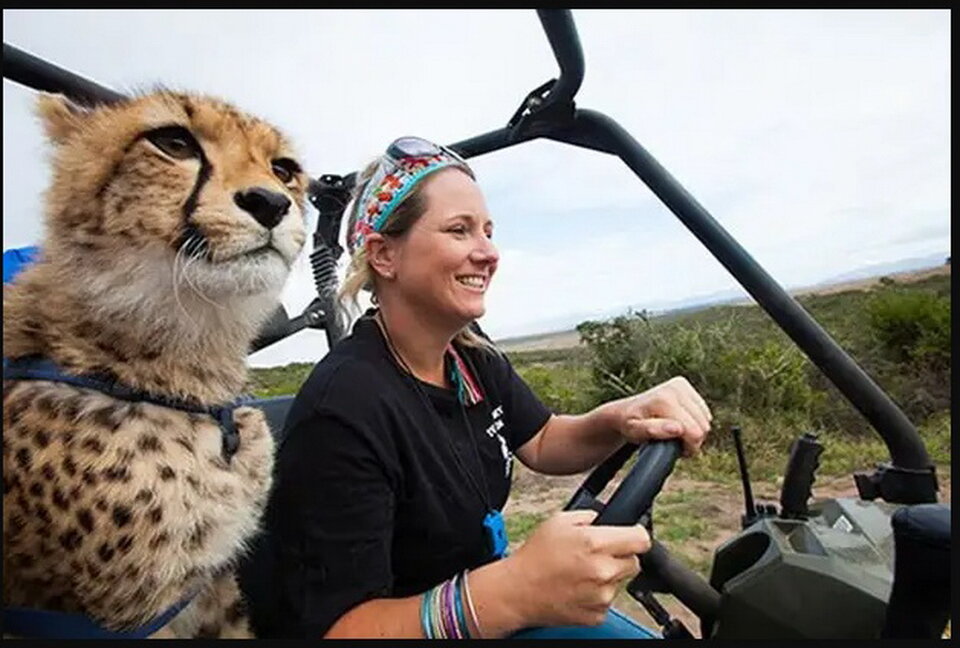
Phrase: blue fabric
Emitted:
{"points": [[16, 260], [47, 624], [616, 626]]}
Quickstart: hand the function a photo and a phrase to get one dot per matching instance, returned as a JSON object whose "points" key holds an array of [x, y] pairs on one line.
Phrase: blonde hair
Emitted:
{"points": [[359, 274]]}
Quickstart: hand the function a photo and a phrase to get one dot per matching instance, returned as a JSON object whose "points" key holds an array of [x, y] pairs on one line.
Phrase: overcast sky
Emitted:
{"points": [[818, 139]]}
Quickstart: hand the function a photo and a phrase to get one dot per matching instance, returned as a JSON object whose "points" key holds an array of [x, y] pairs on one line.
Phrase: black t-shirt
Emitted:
{"points": [[370, 499]]}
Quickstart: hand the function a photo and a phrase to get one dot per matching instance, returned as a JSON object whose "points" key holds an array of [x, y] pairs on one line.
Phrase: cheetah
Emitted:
{"points": [[171, 223]]}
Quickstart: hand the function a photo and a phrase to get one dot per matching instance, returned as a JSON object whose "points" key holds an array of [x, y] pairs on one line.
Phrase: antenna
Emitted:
{"points": [[751, 509]]}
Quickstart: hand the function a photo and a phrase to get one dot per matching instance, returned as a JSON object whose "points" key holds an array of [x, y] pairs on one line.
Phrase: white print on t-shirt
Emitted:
{"points": [[493, 431]]}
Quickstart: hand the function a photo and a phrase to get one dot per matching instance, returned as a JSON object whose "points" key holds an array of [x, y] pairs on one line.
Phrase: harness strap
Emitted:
{"points": [[35, 367], [49, 624]]}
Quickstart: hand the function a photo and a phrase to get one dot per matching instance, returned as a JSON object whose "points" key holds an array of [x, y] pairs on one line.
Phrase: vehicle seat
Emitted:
{"points": [[255, 569], [276, 410]]}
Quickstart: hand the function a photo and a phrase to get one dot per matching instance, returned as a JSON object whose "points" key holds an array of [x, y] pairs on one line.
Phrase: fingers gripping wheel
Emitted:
{"points": [[633, 498]]}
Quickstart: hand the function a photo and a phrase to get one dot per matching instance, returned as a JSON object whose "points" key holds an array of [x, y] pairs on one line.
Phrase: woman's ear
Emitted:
{"points": [[381, 255]]}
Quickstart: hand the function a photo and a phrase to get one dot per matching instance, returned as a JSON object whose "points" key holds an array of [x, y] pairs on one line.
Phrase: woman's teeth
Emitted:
{"points": [[473, 281]]}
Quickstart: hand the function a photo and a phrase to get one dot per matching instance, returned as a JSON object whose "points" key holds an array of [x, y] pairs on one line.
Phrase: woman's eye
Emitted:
{"points": [[175, 141]]}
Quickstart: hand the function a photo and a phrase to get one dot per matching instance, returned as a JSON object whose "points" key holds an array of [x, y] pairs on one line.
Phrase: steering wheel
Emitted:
{"points": [[633, 498]]}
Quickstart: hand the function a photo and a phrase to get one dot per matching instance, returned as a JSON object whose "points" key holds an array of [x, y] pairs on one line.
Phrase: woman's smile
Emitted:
{"points": [[474, 282]]}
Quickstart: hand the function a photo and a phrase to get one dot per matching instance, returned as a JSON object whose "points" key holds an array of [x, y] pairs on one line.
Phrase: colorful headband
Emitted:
{"points": [[407, 161]]}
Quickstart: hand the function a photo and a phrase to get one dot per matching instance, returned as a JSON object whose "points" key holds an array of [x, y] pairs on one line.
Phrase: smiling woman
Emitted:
{"points": [[446, 261], [398, 451]]}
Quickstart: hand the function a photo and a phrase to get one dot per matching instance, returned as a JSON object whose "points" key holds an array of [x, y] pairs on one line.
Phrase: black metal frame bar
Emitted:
{"points": [[551, 114], [901, 437], [33, 72], [594, 130]]}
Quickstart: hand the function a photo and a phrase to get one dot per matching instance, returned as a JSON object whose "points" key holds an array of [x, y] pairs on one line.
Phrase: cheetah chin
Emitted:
{"points": [[171, 223]]}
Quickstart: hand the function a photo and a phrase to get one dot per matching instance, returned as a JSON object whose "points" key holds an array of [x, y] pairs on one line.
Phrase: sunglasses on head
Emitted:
{"points": [[417, 147]]}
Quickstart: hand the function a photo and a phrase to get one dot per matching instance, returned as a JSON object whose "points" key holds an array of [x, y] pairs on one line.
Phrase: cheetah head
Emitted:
{"points": [[174, 186]]}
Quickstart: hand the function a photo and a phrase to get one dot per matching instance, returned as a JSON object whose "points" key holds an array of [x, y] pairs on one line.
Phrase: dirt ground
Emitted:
{"points": [[543, 495]]}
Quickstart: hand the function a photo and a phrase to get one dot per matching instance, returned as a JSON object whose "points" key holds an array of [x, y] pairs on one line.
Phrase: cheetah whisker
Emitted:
{"points": [[176, 281], [198, 252]]}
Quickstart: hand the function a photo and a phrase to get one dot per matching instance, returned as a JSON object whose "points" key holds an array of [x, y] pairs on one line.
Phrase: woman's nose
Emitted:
{"points": [[486, 251]]}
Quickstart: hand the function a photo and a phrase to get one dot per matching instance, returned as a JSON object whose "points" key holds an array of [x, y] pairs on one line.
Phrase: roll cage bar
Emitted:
{"points": [[550, 112]]}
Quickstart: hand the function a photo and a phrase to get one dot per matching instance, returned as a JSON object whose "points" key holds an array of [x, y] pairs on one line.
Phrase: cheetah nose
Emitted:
{"points": [[267, 207]]}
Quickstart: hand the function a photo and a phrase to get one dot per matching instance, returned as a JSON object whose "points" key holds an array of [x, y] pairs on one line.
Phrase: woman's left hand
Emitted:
{"points": [[672, 409]]}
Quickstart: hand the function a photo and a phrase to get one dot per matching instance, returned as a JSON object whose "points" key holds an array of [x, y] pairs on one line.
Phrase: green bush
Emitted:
{"points": [[748, 373], [562, 387], [912, 327], [278, 381]]}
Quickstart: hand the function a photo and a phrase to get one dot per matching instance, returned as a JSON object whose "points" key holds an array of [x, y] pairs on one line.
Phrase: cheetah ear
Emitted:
{"points": [[61, 117]]}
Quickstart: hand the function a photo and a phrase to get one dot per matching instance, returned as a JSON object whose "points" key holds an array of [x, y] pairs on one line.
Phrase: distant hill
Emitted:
{"points": [[905, 271], [566, 323]]}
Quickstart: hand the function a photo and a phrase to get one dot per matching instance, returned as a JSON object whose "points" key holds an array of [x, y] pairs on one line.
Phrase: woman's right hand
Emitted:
{"points": [[568, 571]]}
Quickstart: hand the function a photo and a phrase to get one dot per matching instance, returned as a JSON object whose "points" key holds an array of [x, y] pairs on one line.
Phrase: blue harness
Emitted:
{"points": [[49, 624], [36, 367]]}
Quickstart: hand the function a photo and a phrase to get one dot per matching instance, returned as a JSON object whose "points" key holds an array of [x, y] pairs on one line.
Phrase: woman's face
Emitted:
{"points": [[446, 260]]}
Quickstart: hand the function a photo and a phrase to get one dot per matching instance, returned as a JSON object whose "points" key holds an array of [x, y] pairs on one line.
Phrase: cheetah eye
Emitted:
{"points": [[285, 169], [175, 141]]}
